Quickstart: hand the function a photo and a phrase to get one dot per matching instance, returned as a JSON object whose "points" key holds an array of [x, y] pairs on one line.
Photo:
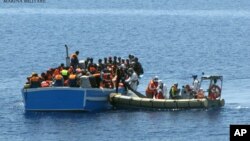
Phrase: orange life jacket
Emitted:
{"points": [[152, 87], [72, 76], [58, 77]]}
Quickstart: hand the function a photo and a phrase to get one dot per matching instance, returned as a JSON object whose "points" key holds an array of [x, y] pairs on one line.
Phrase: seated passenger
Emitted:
{"points": [[174, 92], [58, 81], [35, 81], [72, 81], [186, 92]]}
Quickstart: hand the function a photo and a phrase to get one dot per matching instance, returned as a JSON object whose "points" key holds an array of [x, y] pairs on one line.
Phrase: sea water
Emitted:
{"points": [[172, 39]]}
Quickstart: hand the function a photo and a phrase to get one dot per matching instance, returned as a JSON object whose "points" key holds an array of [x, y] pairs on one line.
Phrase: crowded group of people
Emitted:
{"points": [[114, 72], [158, 90], [109, 72]]}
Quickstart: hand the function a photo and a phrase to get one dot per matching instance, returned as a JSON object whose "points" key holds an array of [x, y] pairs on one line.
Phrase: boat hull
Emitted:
{"points": [[136, 102], [66, 99]]}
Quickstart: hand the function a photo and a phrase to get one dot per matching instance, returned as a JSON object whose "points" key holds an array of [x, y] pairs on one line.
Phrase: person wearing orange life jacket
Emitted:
{"points": [[58, 80], [72, 81], [35, 81], [151, 90]]}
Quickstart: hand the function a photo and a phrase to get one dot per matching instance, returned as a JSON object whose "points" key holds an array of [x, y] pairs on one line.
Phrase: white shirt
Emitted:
{"points": [[196, 85], [132, 80]]}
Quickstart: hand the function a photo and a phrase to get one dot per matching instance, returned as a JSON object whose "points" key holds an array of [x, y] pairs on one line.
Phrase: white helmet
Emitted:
{"points": [[155, 78]]}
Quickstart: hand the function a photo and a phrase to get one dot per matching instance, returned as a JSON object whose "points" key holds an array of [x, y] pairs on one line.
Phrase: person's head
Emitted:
{"points": [[91, 60], [175, 85], [194, 76], [115, 58], [77, 52], [100, 61], [155, 79], [129, 56], [43, 74], [105, 59], [62, 65], [136, 59]]}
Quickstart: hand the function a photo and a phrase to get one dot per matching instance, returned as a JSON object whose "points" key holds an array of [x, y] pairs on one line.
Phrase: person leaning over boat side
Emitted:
{"points": [[152, 87], [132, 80], [174, 92], [35, 81], [74, 59]]}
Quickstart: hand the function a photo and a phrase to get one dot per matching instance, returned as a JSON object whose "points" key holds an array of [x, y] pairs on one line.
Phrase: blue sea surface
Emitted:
{"points": [[172, 39]]}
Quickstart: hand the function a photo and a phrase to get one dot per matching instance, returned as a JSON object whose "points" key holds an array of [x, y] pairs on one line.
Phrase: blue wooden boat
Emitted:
{"points": [[83, 98], [66, 99]]}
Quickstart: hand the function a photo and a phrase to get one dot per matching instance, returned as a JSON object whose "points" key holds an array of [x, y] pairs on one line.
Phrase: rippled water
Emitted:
{"points": [[172, 40]]}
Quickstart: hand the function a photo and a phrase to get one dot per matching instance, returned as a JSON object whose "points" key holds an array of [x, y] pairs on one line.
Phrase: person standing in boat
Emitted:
{"points": [[196, 84], [132, 80], [74, 60], [151, 90], [120, 77], [137, 66]]}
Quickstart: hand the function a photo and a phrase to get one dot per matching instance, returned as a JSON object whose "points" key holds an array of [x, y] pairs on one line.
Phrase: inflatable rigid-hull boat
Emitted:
{"points": [[118, 100]]}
